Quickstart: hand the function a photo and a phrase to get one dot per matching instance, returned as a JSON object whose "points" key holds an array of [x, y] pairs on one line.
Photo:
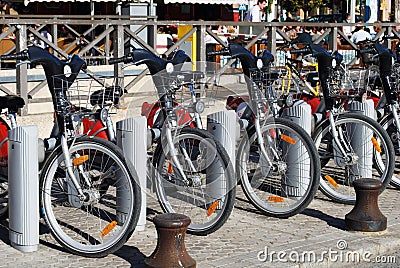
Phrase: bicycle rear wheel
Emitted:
{"points": [[370, 154], [208, 194], [102, 223], [285, 186]]}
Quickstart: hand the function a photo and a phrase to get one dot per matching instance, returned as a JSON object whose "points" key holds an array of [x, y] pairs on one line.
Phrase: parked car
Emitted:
{"points": [[330, 17]]}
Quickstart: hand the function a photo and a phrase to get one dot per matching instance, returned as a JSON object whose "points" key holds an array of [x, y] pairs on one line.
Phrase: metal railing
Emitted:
{"points": [[99, 38]]}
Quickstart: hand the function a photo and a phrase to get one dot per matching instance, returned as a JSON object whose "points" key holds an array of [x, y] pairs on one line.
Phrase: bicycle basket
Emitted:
{"points": [[273, 82], [188, 86], [86, 94], [346, 83]]}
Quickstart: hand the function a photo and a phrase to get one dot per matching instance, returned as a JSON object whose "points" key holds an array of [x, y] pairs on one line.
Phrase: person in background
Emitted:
{"points": [[360, 34], [376, 29], [256, 13], [45, 33], [347, 29]]}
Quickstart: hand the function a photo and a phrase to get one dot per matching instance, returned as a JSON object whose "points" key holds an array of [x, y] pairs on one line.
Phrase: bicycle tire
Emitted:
{"points": [[207, 209], [4, 129], [101, 225], [277, 193], [387, 123], [336, 183]]}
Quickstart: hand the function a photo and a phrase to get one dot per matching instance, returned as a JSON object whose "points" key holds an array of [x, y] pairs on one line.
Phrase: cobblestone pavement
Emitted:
{"points": [[242, 241]]}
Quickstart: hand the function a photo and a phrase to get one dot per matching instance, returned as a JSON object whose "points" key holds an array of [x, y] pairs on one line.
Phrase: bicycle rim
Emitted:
{"points": [[207, 196], [388, 124], [102, 225], [367, 141], [288, 184]]}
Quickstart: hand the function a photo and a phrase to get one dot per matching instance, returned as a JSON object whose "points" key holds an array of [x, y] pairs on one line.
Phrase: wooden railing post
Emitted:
{"points": [[119, 52], [22, 73], [333, 39]]}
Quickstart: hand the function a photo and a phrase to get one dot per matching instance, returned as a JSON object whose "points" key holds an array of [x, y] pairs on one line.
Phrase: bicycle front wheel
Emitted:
{"points": [[102, 222], [283, 182], [369, 154], [206, 192], [389, 125]]}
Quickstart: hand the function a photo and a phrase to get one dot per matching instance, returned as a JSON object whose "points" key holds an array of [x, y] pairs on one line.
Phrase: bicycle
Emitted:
{"points": [[277, 162], [294, 80], [386, 77], [344, 156], [192, 172], [89, 196]]}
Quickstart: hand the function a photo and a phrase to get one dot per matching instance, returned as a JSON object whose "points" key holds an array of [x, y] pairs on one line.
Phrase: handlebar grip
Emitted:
{"points": [[300, 50], [124, 59], [23, 55], [219, 52]]}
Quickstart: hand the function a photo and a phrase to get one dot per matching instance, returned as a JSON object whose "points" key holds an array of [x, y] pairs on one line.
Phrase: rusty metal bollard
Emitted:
{"points": [[366, 216], [170, 250]]}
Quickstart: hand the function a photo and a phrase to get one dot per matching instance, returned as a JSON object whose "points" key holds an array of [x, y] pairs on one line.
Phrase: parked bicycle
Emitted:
{"points": [[350, 144], [192, 172], [277, 162], [385, 76], [89, 196]]}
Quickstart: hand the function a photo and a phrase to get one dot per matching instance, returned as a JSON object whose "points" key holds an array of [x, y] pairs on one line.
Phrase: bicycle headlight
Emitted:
{"points": [[103, 115], [289, 100], [333, 63], [169, 68], [200, 106], [260, 64]]}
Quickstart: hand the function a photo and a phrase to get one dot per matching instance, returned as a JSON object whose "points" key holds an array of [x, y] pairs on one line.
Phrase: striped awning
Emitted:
{"points": [[26, 2], [218, 2]]}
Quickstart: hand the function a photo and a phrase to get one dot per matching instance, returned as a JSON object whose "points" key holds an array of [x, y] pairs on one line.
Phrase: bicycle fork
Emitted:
{"points": [[341, 150], [77, 189], [394, 108]]}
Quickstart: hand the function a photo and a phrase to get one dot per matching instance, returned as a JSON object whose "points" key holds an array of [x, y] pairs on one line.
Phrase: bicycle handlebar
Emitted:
{"points": [[368, 50], [223, 52], [124, 59], [23, 55], [300, 50]]}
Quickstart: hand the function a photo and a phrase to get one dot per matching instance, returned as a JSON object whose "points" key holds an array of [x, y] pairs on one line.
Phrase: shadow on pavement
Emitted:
{"points": [[331, 221]]}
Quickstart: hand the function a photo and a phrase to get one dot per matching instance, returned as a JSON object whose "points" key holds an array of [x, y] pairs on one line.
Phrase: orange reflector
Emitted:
{"points": [[212, 208], [277, 199], [170, 169], [331, 181], [376, 145], [80, 160], [272, 132], [108, 228], [288, 139]]}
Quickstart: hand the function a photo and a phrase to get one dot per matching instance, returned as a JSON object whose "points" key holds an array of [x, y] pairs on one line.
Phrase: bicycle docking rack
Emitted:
{"points": [[361, 148], [23, 188], [298, 168], [223, 126], [132, 139]]}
